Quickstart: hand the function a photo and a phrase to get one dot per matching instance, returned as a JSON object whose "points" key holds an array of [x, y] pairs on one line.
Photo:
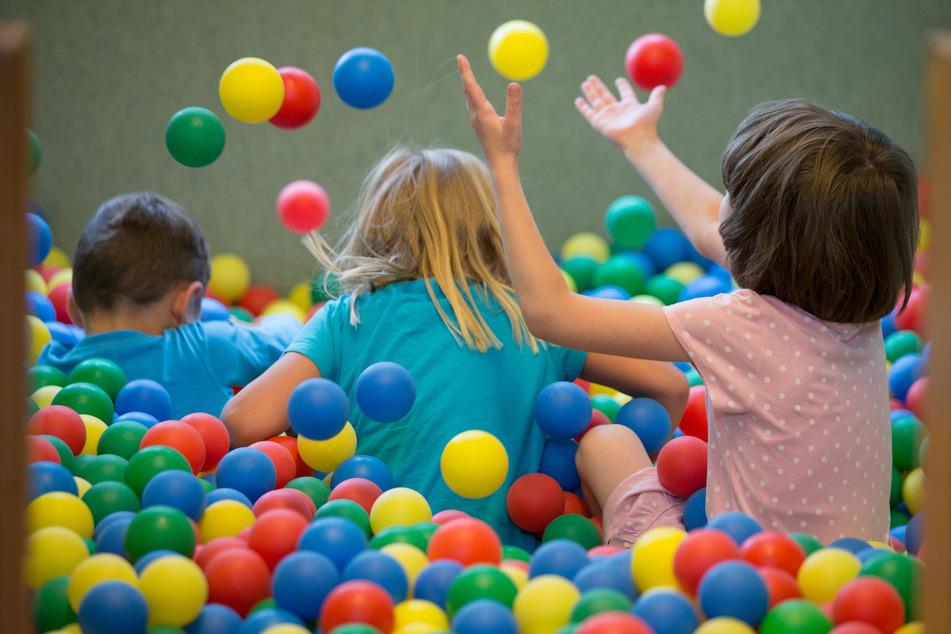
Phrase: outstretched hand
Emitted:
{"points": [[625, 121], [500, 137]]}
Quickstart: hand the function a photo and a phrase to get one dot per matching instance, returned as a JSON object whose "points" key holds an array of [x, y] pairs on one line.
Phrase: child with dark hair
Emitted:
{"points": [[819, 228], [139, 274]]}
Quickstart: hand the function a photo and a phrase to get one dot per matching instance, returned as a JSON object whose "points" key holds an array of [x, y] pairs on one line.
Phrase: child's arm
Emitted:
{"points": [[259, 410], [663, 382], [551, 311], [632, 126]]}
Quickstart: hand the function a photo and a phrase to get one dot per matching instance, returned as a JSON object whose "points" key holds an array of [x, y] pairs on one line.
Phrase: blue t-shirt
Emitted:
{"points": [[198, 363], [457, 389]]}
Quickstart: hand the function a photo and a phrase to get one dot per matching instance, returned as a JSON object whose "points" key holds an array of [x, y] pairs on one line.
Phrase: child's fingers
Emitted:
{"points": [[475, 98], [586, 111], [597, 93], [625, 90]]}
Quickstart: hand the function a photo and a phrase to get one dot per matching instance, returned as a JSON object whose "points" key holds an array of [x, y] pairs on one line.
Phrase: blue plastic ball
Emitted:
{"points": [[39, 240], [363, 78], [144, 395], [44, 477], [301, 581], [666, 246], [151, 556], [562, 410], [140, 417], [178, 489], [226, 493], [914, 535], [318, 409], [667, 611], [649, 420], [905, 370], [644, 261], [214, 310], [558, 461], [247, 470], [366, 467], [433, 581], [377, 566], [336, 538], [113, 607], [563, 557], [736, 524], [40, 306], [111, 539], [484, 616], [606, 572], [695, 510], [852, 544], [263, 618], [609, 291], [704, 286], [385, 392], [734, 589], [888, 324], [215, 618], [115, 516]]}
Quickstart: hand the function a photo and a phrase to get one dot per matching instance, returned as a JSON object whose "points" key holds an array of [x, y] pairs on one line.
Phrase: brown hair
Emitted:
{"points": [[824, 211], [136, 249]]}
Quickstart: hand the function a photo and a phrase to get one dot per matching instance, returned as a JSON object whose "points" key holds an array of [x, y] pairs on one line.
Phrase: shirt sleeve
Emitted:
{"points": [[238, 353], [319, 339]]}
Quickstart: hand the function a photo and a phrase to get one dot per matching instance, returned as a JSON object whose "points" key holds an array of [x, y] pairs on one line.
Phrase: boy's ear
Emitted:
{"points": [[72, 309], [187, 305]]}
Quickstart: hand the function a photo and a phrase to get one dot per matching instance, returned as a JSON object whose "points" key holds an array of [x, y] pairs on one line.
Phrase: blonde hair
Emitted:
{"points": [[430, 215]]}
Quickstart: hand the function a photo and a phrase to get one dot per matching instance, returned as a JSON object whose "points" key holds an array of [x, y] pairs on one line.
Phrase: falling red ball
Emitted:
{"points": [[682, 465], [654, 60], [301, 99], [303, 206]]}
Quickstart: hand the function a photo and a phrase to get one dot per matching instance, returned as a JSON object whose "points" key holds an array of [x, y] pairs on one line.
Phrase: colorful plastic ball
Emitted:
{"points": [[580, 268], [44, 477], [586, 243], [534, 500], [518, 50], [796, 615], [902, 571], [823, 572], [96, 569], [734, 589], [484, 616], [562, 557], [558, 462], [36, 150], [479, 581], [363, 466], [736, 524], [105, 498], [667, 611], [328, 455], [215, 618], [903, 372], [113, 607], [907, 435], [358, 601], [575, 528], [562, 410], [149, 462], [597, 601], [40, 449], [731, 17], [58, 508], [629, 221], [360, 490], [302, 580], [613, 622], [544, 604], [285, 467], [474, 463], [434, 580], [301, 99], [380, 568], [275, 534], [177, 489], [39, 240], [653, 562], [251, 90], [649, 420], [665, 247], [238, 578], [682, 465], [693, 422], [122, 438], [337, 538], [86, 398], [287, 498], [144, 395], [194, 136], [175, 589], [98, 371], [411, 558], [49, 606], [180, 436], [773, 549], [347, 509], [466, 540], [385, 392], [247, 470], [363, 78], [620, 271], [701, 549], [37, 336], [51, 552], [159, 527], [871, 600], [230, 277], [303, 206], [318, 409], [902, 342], [265, 618], [224, 518], [913, 490], [654, 60], [95, 427], [214, 436], [399, 506], [915, 533]]}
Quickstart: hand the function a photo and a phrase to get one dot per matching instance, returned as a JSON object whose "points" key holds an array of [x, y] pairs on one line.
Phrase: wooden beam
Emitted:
{"points": [[15, 84]]}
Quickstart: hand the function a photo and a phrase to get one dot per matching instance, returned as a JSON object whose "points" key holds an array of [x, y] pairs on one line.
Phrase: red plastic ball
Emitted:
{"points": [[57, 297], [780, 584], [916, 398], [448, 515], [869, 599], [238, 578], [682, 465], [204, 553], [357, 601], [771, 549], [693, 422], [301, 99], [700, 550], [597, 418], [614, 623], [915, 315], [257, 297], [574, 504], [855, 627], [292, 499], [284, 463], [41, 450], [213, 433], [60, 421], [179, 436], [290, 443], [654, 60], [303, 206], [534, 500], [275, 534], [360, 490], [466, 540]]}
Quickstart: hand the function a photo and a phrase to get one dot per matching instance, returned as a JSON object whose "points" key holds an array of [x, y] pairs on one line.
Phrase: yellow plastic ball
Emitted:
{"points": [[414, 611], [72, 628], [912, 627], [518, 50], [411, 558], [924, 234], [251, 90], [37, 336], [326, 455], [647, 299], [230, 277], [570, 281], [913, 490], [517, 574], [399, 506], [474, 464], [43, 397], [597, 388], [52, 552], [724, 625], [175, 589], [300, 296], [684, 272], [286, 628], [82, 485], [731, 17], [63, 276], [95, 569], [284, 306], [586, 243], [35, 282], [544, 604], [58, 508], [824, 571], [224, 518], [653, 562], [94, 430], [57, 257]]}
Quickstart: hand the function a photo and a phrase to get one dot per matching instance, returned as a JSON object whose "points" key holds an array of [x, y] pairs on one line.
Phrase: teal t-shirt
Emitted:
{"points": [[457, 389], [198, 363]]}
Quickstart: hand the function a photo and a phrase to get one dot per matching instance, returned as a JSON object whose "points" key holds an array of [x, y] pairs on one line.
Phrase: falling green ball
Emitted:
{"points": [[195, 136]]}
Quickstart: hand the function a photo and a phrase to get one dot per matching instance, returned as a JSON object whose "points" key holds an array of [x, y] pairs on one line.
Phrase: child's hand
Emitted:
{"points": [[626, 122], [500, 137]]}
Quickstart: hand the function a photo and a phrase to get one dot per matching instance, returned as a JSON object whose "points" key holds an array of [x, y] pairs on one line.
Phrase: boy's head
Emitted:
{"points": [[136, 249], [824, 211]]}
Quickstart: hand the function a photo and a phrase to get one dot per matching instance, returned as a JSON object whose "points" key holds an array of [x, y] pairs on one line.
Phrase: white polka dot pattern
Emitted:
{"points": [[799, 433]]}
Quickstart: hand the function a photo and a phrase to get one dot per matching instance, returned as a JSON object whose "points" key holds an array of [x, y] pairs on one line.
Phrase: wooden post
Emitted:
{"points": [[15, 72], [936, 586]]}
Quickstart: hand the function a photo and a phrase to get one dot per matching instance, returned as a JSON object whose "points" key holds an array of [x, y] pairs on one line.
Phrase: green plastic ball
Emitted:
{"points": [[105, 498], [606, 405], [514, 553], [159, 527], [808, 543], [480, 581], [621, 270], [907, 435], [581, 269], [629, 221], [86, 398], [905, 572], [39, 376], [195, 136], [347, 509], [49, 605], [398, 534], [795, 615], [574, 527], [104, 468], [664, 287], [66, 457], [102, 372], [36, 150], [151, 461], [122, 438], [315, 488], [597, 600], [902, 342], [324, 286]]}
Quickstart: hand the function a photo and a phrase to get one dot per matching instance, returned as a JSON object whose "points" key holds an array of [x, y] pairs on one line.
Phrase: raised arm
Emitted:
{"points": [[632, 126], [551, 311], [663, 382]]}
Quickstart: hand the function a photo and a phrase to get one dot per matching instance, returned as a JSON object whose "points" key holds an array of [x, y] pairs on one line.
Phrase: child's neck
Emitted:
{"points": [[154, 320]]}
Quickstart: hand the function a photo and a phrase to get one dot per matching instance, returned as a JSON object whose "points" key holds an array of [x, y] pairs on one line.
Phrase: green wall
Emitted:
{"points": [[110, 73]]}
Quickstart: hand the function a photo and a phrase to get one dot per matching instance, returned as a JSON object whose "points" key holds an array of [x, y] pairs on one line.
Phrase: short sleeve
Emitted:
{"points": [[239, 354], [319, 339]]}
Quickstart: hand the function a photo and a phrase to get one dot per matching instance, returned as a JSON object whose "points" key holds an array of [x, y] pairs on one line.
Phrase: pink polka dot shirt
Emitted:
{"points": [[798, 415]]}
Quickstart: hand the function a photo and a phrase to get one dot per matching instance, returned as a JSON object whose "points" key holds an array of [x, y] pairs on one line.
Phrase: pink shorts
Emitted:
{"points": [[637, 505]]}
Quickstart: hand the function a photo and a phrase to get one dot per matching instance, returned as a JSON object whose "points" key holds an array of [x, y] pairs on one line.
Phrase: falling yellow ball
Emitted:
{"points": [[518, 50], [731, 17]]}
